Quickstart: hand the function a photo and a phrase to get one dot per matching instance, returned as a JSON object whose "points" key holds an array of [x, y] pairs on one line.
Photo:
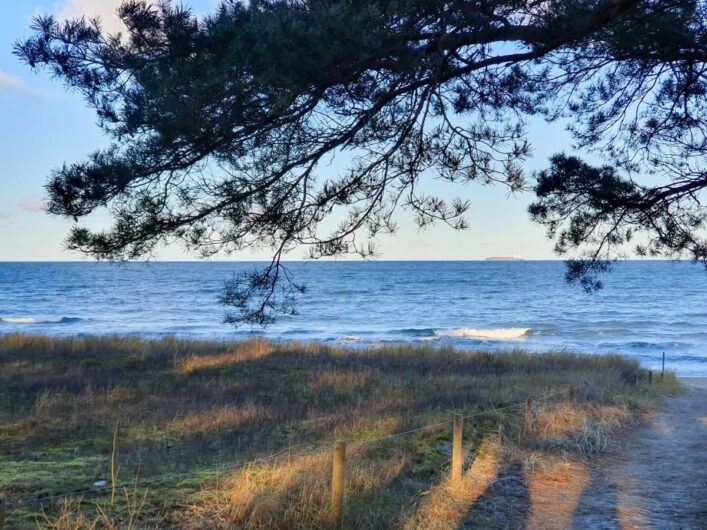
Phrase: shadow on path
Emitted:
{"points": [[504, 504], [659, 477], [597, 511]]}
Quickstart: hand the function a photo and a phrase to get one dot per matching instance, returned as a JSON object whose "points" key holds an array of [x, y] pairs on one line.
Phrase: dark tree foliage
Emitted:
{"points": [[223, 127]]}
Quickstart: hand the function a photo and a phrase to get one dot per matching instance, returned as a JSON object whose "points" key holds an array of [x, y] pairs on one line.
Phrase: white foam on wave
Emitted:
{"points": [[488, 334], [31, 320], [350, 338]]}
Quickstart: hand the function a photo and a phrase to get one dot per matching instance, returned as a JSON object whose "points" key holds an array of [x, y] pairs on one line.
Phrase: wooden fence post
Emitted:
{"points": [[457, 459], [573, 393], [650, 377], [529, 416], [2, 511], [337, 484], [662, 370]]}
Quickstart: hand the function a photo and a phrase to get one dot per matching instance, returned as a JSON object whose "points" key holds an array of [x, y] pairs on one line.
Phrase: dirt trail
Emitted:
{"points": [[659, 479]]}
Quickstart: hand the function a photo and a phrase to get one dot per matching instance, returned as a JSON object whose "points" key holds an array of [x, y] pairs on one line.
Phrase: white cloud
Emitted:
{"points": [[15, 84], [33, 204], [106, 10], [12, 83]]}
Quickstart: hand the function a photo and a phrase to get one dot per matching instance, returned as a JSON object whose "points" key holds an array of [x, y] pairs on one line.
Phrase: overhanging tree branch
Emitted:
{"points": [[220, 125]]}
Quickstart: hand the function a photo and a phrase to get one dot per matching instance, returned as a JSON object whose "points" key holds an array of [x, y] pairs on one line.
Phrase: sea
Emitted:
{"points": [[646, 308]]}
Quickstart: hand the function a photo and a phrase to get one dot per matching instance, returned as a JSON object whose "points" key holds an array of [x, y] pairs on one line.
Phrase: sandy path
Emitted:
{"points": [[659, 479]]}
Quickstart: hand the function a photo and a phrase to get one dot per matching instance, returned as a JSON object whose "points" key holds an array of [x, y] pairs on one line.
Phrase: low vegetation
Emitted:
{"points": [[155, 433]]}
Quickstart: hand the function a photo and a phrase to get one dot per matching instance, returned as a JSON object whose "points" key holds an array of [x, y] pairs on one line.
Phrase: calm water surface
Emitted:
{"points": [[646, 308]]}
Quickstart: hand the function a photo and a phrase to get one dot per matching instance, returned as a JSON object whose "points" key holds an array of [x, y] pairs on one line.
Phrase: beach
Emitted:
{"points": [[126, 398], [328, 265]]}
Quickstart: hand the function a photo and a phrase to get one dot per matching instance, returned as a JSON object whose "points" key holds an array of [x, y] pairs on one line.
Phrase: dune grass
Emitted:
{"points": [[167, 421]]}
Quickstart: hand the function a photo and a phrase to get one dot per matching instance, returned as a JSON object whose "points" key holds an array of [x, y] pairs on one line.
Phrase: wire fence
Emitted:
{"points": [[286, 453], [280, 455]]}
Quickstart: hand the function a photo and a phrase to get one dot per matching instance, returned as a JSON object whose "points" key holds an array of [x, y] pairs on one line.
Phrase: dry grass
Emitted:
{"points": [[186, 409], [447, 504], [586, 428]]}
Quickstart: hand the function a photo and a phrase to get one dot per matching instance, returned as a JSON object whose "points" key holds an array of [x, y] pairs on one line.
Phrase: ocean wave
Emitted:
{"points": [[34, 320], [669, 359], [414, 332], [487, 334], [647, 345]]}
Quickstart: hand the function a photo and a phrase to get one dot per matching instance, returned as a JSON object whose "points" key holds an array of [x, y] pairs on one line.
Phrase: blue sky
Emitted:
{"points": [[42, 126]]}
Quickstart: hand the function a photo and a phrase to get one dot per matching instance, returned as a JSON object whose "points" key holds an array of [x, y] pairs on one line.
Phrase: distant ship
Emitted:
{"points": [[504, 258]]}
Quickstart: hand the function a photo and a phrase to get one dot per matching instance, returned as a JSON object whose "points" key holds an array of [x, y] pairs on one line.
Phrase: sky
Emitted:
{"points": [[42, 126]]}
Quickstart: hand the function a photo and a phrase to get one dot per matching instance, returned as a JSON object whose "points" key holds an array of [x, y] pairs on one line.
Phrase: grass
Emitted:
{"points": [[187, 411]]}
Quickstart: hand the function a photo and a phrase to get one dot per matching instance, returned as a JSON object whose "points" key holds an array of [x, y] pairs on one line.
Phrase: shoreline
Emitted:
{"points": [[699, 379]]}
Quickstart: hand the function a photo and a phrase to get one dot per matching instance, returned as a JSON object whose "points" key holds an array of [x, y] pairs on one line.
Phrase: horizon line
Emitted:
{"points": [[414, 260]]}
